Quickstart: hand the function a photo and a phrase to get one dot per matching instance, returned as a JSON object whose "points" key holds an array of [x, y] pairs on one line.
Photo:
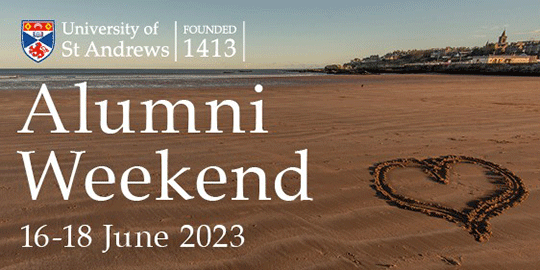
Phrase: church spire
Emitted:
{"points": [[503, 43], [503, 38]]}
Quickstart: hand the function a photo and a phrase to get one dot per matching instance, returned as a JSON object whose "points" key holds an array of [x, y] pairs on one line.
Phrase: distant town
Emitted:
{"points": [[499, 57]]}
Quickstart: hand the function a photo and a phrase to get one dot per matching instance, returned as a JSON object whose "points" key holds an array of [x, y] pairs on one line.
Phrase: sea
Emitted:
{"points": [[14, 79]]}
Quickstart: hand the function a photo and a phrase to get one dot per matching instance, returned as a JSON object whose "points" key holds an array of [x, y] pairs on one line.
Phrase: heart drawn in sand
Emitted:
{"points": [[474, 219]]}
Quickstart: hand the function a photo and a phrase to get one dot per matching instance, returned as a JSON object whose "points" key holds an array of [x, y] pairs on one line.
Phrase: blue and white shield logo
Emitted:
{"points": [[37, 38]]}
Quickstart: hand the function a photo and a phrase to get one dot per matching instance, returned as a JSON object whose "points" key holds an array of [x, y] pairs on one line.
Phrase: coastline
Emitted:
{"points": [[456, 68]]}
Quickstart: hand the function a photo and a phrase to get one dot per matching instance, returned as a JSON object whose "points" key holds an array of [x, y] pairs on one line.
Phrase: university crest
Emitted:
{"points": [[37, 38]]}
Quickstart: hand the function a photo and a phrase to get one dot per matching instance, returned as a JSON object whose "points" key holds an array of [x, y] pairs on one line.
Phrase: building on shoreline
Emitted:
{"points": [[502, 47], [512, 59], [505, 59], [501, 52]]}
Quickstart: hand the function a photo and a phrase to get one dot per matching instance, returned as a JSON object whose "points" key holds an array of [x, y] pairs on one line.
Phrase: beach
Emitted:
{"points": [[347, 123]]}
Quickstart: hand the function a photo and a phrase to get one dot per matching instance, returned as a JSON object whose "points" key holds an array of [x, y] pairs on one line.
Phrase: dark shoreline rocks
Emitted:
{"points": [[472, 69]]}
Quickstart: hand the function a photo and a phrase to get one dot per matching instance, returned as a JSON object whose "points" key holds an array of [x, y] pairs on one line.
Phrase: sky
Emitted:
{"points": [[279, 34]]}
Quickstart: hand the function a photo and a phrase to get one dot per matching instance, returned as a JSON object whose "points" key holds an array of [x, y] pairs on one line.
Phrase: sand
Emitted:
{"points": [[348, 124]]}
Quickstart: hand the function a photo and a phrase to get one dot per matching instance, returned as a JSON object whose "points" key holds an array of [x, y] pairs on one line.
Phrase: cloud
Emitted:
{"points": [[488, 31], [479, 36], [534, 32], [499, 27]]}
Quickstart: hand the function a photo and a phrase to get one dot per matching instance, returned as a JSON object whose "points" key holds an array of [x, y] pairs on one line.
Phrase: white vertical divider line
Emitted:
{"points": [[175, 41], [244, 41]]}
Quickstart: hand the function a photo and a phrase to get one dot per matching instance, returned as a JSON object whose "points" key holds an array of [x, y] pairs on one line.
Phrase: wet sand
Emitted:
{"points": [[348, 124]]}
